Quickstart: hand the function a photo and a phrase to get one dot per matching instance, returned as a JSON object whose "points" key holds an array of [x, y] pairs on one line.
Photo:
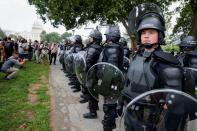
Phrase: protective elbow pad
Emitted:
{"points": [[172, 78]]}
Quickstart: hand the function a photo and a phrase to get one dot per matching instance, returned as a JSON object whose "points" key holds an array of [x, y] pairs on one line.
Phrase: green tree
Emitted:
{"points": [[65, 35], [13, 36], [53, 37], [74, 13], [193, 4], [187, 22], [2, 34]]}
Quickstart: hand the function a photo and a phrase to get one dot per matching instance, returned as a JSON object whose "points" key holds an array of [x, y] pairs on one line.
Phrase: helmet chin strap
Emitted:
{"points": [[149, 45]]}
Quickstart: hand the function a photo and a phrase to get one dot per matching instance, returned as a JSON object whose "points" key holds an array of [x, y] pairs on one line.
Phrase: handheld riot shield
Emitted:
{"points": [[139, 11], [69, 63], [66, 53], [80, 66], [190, 81], [61, 59], [105, 79], [161, 110]]}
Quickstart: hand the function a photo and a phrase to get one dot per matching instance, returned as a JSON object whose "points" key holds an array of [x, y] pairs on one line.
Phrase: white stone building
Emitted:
{"points": [[35, 32]]}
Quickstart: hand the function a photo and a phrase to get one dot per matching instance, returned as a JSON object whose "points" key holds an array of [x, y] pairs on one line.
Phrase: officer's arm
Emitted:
{"points": [[92, 56], [171, 77]]}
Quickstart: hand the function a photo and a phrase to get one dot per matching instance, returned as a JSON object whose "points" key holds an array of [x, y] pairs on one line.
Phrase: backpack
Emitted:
{"points": [[7, 46]]}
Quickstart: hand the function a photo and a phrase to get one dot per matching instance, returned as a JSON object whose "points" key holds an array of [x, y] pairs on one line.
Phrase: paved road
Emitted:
{"points": [[67, 111]]}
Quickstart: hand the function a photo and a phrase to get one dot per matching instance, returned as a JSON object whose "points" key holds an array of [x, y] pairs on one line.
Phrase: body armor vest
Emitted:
{"points": [[93, 52], [190, 81], [188, 59], [140, 75], [113, 54], [192, 62]]}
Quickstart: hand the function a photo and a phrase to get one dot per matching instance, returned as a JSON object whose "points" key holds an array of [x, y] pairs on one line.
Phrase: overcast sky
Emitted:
{"points": [[18, 15]]}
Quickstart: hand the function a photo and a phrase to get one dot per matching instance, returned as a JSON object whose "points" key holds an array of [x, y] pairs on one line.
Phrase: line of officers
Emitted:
{"points": [[150, 68]]}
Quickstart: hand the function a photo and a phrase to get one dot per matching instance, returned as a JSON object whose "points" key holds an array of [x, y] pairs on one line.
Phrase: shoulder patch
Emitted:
{"points": [[166, 57]]}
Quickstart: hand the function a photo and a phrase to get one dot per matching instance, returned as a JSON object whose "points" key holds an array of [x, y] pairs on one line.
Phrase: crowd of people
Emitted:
{"points": [[14, 53]]}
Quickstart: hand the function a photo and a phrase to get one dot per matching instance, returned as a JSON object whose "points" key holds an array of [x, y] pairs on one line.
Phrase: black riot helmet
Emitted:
{"points": [[78, 39], [147, 16], [188, 43], [113, 34], [96, 35], [123, 41]]}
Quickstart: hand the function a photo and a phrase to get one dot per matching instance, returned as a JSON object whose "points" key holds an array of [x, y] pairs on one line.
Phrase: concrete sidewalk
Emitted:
{"points": [[67, 114]]}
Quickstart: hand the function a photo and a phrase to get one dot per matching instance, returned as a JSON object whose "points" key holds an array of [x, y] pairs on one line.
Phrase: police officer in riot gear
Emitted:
{"points": [[126, 61], [123, 42], [75, 48], [93, 51], [112, 53], [188, 59], [151, 68], [188, 56], [66, 47], [77, 44]]}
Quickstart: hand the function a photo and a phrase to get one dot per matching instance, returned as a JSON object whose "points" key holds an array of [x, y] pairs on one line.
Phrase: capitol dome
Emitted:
{"points": [[37, 25], [36, 29]]}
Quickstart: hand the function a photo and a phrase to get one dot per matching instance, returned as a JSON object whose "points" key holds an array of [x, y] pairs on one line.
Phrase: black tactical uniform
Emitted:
{"points": [[151, 70], [75, 48], [67, 47], [123, 42], [61, 59], [188, 59], [188, 55], [93, 51], [77, 45], [112, 53], [126, 60]]}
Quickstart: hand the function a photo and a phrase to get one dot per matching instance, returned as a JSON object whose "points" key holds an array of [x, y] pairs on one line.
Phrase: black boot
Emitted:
{"points": [[83, 100], [82, 95], [73, 87], [77, 90], [71, 83], [90, 115]]}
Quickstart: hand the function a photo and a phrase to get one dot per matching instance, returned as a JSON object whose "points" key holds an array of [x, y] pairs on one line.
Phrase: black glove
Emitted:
{"points": [[119, 109]]}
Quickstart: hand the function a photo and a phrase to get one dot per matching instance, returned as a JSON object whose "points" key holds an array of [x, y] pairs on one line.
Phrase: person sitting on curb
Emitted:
{"points": [[8, 68]]}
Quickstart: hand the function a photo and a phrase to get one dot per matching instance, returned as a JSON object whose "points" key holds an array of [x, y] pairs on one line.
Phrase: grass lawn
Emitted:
{"points": [[24, 102]]}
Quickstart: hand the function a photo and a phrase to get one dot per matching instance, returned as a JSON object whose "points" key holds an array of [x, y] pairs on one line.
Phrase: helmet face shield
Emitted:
{"points": [[151, 23], [77, 38], [123, 41], [96, 35], [188, 43], [113, 33], [141, 12]]}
